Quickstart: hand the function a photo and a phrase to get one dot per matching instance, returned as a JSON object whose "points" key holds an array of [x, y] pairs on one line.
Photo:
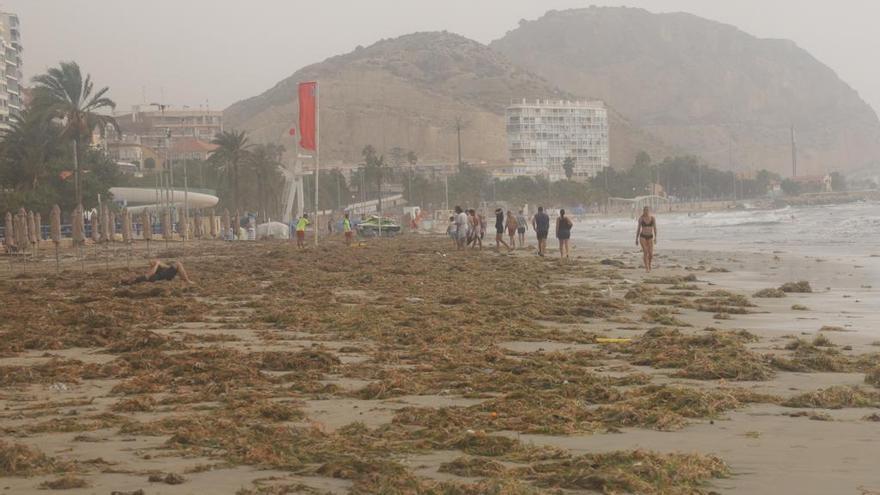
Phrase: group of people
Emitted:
{"points": [[468, 228], [303, 222]]}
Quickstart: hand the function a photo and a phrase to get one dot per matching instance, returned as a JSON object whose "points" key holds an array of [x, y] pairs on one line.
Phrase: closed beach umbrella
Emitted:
{"points": [[95, 220], [166, 224], [78, 227], [197, 227], [38, 223], [104, 223], [31, 228], [21, 230], [126, 225], [212, 225], [113, 230], [55, 220], [9, 231], [147, 223]]}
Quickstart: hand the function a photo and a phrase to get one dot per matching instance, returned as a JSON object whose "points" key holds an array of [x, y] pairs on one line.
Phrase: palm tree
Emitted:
{"points": [[265, 161], [29, 148], [233, 150], [62, 93]]}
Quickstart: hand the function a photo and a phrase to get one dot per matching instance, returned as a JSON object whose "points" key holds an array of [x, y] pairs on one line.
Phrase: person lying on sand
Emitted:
{"points": [[161, 271]]}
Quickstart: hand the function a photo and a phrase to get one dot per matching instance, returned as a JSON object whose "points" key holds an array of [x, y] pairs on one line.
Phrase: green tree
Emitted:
{"points": [[149, 163], [374, 169], [62, 93], [232, 151], [568, 167], [264, 161], [30, 151], [791, 187]]}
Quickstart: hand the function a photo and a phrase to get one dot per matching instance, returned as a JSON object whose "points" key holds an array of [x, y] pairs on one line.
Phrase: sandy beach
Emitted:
{"points": [[402, 366]]}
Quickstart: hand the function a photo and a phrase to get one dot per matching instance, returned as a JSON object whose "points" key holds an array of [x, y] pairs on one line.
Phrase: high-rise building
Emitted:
{"points": [[10, 74], [542, 134]]}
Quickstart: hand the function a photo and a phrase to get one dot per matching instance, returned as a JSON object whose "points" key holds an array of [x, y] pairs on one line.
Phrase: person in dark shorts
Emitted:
{"points": [[499, 230], [161, 271], [563, 233], [541, 226]]}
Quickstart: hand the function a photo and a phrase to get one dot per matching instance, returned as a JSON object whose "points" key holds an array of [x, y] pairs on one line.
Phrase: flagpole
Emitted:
{"points": [[317, 155]]}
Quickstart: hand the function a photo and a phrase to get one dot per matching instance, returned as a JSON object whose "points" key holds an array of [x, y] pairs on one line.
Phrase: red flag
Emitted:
{"points": [[308, 112]]}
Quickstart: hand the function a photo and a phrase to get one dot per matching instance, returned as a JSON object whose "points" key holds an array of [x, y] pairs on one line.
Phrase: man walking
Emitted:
{"points": [[499, 230], [541, 226], [521, 229], [461, 227], [346, 229]]}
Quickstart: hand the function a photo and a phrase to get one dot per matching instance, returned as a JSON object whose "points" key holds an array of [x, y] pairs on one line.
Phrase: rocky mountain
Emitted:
{"points": [[704, 87], [408, 92]]}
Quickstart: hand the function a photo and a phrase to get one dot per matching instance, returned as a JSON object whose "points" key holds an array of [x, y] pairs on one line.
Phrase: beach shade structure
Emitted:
{"points": [[212, 224], [147, 224], [104, 222], [55, 232], [197, 225], [21, 231], [77, 227], [166, 224], [95, 221], [226, 225], [38, 223], [31, 228], [9, 230], [113, 230], [55, 225], [126, 225]]}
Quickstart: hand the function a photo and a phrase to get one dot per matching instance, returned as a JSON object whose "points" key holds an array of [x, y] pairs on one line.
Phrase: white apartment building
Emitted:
{"points": [[10, 69], [541, 134]]}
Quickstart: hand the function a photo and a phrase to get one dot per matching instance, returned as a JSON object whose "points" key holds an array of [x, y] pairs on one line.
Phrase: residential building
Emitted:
{"points": [[542, 134], [10, 73], [147, 133]]}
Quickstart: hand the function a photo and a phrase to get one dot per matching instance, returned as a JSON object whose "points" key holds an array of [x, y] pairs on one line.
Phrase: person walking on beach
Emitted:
{"points": [[646, 236], [563, 233], [301, 230], [476, 230], [461, 225], [346, 229], [499, 230], [521, 229], [511, 229], [541, 226], [450, 231]]}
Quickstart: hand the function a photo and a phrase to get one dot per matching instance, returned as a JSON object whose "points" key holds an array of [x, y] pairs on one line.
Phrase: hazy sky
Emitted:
{"points": [[187, 52]]}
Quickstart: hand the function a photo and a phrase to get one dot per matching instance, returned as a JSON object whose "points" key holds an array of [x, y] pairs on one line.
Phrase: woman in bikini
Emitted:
{"points": [[646, 236]]}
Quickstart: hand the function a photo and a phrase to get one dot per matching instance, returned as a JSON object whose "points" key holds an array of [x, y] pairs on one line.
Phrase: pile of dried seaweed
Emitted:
{"points": [[20, 460], [707, 356]]}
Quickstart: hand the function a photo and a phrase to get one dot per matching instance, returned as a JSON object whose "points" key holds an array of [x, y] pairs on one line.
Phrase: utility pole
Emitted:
{"points": [[446, 181], [458, 132], [700, 184], [793, 153]]}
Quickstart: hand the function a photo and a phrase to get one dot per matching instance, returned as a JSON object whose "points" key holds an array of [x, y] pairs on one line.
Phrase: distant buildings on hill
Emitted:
{"points": [[151, 138]]}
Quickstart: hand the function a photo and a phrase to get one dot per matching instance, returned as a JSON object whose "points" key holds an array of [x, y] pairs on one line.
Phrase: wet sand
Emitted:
{"points": [[382, 337]]}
